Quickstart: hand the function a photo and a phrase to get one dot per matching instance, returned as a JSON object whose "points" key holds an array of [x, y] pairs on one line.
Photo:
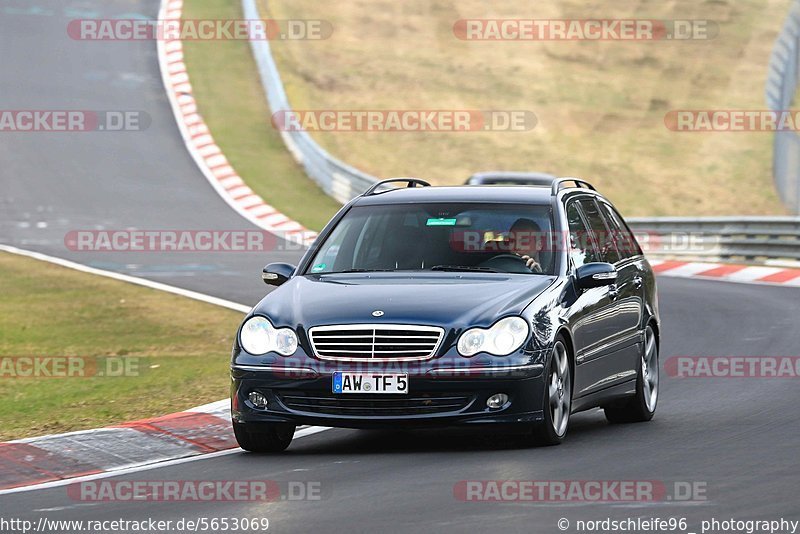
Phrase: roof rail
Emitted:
{"points": [[564, 179], [410, 182]]}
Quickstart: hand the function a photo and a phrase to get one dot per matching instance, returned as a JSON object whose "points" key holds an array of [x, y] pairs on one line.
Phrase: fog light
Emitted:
{"points": [[498, 400], [258, 400]]}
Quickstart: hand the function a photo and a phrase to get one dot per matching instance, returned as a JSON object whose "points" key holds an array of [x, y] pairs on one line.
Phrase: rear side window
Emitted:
{"points": [[603, 238], [581, 246], [627, 245]]}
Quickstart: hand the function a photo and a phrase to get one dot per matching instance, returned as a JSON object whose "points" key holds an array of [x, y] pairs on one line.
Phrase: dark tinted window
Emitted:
{"points": [[581, 246], [603, 238], [625, 240]]}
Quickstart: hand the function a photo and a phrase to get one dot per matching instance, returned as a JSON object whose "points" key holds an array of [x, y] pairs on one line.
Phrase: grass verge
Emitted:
{"points": [[175, 350], [232, 102]]}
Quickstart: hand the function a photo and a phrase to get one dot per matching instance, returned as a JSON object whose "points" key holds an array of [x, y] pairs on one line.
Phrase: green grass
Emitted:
{"points": [[181, 347], [232, 102]]}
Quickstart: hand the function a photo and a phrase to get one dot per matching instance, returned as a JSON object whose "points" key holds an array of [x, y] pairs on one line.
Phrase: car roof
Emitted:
{"points": [[510, 177], [473, 193]]}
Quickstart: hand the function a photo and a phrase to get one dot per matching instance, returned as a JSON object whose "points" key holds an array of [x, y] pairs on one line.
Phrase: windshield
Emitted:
{"points": [[508, 238]]}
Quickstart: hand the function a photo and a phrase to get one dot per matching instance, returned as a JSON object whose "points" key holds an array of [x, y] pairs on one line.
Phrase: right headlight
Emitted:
{"points": [[501, 339], [258, 336]]}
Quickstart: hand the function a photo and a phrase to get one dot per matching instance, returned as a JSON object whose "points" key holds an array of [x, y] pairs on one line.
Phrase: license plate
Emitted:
{"points": [[369, 383]]}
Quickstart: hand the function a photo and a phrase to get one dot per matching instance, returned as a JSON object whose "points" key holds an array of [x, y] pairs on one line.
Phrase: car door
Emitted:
{"points": [[630, 281], [591, 314], [618, 349]]}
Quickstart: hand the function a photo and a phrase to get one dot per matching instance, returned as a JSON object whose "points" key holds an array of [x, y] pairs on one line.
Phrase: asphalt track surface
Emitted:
{"points": [[53, 183], [737, 437]]}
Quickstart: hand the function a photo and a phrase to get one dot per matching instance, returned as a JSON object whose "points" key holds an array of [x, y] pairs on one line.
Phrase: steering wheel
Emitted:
{"points": [[509, 263]]}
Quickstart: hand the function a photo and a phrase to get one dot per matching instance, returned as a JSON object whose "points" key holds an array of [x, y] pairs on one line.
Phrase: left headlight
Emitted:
{"points": [[258, 336], [501, 339]]}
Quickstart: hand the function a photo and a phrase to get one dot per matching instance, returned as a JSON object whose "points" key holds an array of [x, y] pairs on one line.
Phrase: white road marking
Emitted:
{"points": [[755, 272], [690, 269], [212, 407], [127, 278]]}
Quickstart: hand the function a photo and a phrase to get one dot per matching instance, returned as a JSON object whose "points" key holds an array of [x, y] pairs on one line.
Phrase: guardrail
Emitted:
{"points": [[338, 179], [782, 81], [751, 239]]}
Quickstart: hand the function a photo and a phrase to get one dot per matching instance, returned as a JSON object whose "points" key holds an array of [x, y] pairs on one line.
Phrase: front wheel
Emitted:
{"points": [[558, 398], [269, 438], [642, 406]]}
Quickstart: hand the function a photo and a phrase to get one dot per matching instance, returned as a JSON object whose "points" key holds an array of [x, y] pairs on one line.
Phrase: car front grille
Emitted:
{"points": [[375, 343], [375, 405]]}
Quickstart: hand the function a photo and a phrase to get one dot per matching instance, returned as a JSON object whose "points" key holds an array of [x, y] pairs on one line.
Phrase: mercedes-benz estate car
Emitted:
{"points": [[479, 306]]}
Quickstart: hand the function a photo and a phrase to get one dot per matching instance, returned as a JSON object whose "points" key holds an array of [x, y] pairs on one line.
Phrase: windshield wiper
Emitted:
{"points": [[364, 271], [465, 268]]}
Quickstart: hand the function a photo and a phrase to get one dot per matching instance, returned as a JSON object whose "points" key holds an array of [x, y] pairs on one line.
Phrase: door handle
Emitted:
{"points": [[638, 282], [613, 292]]}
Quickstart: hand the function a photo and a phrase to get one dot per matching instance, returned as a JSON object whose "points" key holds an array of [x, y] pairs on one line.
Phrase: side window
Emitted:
{"points": [[624, 238], [581, 246], [601, 235]]}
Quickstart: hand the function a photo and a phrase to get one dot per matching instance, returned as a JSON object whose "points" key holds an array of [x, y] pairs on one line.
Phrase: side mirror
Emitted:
{"points": [[276, 274], [595, 274]]}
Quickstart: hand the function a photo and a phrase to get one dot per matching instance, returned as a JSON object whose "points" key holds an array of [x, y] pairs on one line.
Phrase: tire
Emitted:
{"points": [[642, 406], [557, 400], [271, 438]]}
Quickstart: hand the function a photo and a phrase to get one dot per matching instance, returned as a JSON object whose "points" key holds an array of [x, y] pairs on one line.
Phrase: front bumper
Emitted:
{"points": [[439, 396]]}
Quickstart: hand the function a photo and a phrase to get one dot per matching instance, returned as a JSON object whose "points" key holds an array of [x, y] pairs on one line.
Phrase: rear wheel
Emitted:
{"points": [[267, 438], [642, 406], [557, 398]]}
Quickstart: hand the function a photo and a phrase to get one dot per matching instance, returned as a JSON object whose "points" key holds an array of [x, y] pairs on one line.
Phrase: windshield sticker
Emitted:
{"points": [[319, 267], [441, 222]]}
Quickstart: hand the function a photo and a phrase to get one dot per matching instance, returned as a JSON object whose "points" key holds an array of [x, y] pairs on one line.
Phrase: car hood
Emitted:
{"points": [[444, 299]]}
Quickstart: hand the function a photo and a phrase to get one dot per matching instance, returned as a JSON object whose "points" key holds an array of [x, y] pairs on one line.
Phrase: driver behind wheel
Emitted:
{"points": [[523, 240]]}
